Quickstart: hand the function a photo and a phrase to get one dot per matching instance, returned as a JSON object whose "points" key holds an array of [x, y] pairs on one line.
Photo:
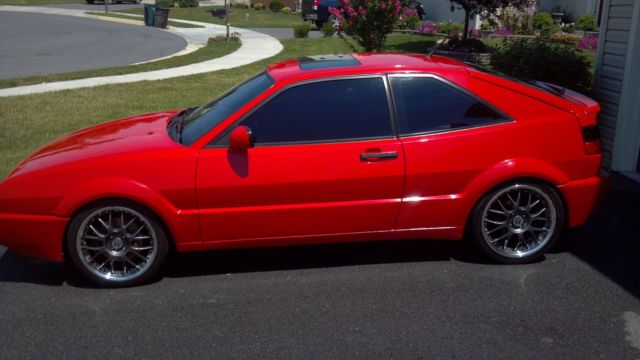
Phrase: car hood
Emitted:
{"points": [[138, 133]]}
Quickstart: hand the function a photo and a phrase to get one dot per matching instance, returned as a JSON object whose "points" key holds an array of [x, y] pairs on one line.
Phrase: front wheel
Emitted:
{"points": [[518, 223], [116, 244]]}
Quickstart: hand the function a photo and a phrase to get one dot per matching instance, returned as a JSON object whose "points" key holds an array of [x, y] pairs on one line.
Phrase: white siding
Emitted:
{"points": [[440, 10], [574, 7], [611, 67]]}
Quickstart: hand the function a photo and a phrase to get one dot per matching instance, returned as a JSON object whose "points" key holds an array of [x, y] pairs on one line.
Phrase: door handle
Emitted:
{"points": [[385, 155]]}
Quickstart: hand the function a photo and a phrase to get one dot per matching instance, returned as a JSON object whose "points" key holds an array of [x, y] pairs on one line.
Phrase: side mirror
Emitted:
{"points": [[241, 139]]}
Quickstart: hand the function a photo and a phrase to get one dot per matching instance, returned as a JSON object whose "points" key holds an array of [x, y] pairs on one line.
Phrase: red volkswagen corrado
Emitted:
{"points": [[320, 149]]}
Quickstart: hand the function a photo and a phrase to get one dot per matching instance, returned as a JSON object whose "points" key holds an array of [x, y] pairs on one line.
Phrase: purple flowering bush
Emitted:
{"points": [[503, 32], [429, 27], [589, 42]]}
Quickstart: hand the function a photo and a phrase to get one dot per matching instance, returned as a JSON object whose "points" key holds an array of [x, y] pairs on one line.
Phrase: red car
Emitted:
{"points": [[320, 149]]}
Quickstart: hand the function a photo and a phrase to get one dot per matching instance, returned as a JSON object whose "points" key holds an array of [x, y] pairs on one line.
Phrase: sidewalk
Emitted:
{"points": [[255, 47]]}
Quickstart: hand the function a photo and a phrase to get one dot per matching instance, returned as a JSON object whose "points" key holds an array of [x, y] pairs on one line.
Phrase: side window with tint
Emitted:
{"points": [[324, 111], [425, 104]]}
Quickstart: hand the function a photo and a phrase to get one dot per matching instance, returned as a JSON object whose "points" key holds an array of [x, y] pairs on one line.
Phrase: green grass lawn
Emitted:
{"points": [[211, 51], [29, 122], [120, 16], [237, 17]]}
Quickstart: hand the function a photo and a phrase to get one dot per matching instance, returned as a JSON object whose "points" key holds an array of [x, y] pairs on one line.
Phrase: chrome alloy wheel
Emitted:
{"points": [[116, 243], [518, 221]]}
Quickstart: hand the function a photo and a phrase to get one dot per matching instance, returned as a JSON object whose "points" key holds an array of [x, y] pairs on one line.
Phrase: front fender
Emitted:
{"points": [[181, 223]]}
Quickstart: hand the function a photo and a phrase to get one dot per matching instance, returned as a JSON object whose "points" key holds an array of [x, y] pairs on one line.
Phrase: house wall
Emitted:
{"points": [[575, 7], [617, 83], [440, 10]]}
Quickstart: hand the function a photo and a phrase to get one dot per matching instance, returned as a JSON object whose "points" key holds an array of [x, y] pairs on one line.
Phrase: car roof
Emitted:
{"points": [[362, 63]]}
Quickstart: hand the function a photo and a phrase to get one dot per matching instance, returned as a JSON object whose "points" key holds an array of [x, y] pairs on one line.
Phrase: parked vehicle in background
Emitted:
{"points": [[413, 147], [317, 11]]}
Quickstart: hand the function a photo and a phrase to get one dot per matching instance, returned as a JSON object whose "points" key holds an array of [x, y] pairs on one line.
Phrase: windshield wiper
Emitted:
{"points": [[177, 123]]}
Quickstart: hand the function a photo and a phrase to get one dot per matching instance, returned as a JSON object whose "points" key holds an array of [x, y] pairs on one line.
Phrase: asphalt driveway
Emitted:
{"points": [[35, 44], [405, 299]]}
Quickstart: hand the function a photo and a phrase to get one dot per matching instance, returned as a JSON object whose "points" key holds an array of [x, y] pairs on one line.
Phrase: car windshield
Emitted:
{"points": [[209, 115]]}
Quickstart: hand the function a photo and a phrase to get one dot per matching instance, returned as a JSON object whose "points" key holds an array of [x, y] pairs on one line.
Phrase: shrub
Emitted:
{"points": [[368, 21], [541, 60], [589, 42], [503, 32], [544, 23], [429, 27], [177, 3], [328, 29], [446, 27], [258, 6], [301, 31], [587, 23], [276, 5], [286, 10], [188, 3], [409, 19], [567, 38], [470, 45]]}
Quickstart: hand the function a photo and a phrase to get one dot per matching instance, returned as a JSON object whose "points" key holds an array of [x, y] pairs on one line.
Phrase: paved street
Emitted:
{"points": [[409, 299], [33, 44]]}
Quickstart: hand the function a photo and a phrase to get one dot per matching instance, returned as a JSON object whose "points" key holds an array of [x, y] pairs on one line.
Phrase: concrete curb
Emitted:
{"points": [[255, 47]]}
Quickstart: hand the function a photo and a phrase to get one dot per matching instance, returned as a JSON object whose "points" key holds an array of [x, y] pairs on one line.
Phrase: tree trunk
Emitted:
{"points": [[465, 34]]}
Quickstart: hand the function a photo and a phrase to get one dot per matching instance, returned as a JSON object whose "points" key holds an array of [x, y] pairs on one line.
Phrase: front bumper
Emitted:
{"points": [[585, 196], [37, 236]]}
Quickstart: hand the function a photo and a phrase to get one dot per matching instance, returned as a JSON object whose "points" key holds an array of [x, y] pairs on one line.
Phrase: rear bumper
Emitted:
{"points": [[33, 235], [585, 196]]}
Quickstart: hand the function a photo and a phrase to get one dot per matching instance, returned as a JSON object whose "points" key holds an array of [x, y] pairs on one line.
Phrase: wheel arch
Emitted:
{"points": [[509, 172], [119, 190]]}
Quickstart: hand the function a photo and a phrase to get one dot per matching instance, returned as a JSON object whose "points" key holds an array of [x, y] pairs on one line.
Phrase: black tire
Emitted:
{"points": [[319, 24], [90, 2], [522, 233], [129, 239]]}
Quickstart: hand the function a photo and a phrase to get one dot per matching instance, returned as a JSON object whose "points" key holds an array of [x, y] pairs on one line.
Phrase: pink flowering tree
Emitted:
{"points": [[368, 21]]}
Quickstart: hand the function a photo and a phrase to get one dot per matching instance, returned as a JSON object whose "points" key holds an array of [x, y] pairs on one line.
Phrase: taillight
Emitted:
{"points": [[591, 138], [315, 4]]}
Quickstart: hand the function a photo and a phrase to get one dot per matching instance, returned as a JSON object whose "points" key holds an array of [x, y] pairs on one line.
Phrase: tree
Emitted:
{"points": [[474, 7], [368, 21]]}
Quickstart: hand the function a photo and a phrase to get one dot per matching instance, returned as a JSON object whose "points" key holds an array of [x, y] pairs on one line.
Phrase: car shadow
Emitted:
{"points": [[318, 256], [20, 269], [608, 243]]}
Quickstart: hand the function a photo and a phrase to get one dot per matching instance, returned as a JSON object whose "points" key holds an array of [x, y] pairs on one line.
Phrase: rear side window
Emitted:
{"points": [[426, 104], [324, 111]]}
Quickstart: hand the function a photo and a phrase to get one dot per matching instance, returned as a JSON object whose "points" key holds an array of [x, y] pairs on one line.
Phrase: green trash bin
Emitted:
{"points": [[149, 14], [162, 17]]}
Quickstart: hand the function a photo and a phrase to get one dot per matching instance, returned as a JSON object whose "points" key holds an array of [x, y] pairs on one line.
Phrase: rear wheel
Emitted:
{"points": [[518, 223], [319, 24], [116, 244]]}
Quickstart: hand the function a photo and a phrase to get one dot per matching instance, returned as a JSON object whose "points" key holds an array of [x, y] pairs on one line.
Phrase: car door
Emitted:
{"points": [[326, 161], [449, 136]]}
